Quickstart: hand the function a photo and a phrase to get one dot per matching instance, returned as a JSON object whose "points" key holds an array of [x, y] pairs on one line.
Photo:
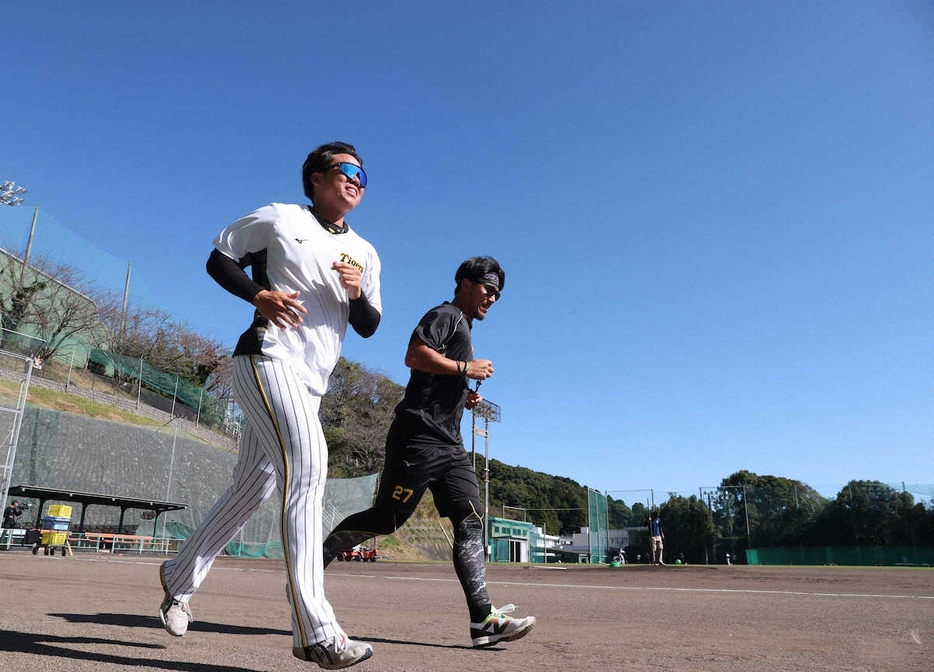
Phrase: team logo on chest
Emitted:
{"points": [[347, 259]]}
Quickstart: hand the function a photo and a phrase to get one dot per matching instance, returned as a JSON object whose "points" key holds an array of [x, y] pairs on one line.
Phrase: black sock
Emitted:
{"points": [[479, 614]]}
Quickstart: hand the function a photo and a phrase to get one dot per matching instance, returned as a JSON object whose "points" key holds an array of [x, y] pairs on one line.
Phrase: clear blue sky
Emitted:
{"points": [[715, 217]]}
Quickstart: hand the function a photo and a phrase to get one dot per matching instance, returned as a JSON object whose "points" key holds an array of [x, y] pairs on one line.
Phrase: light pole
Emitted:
{"points": [[489, 412], [728, 497], [168, 487], [32, 234], [10, 194]]}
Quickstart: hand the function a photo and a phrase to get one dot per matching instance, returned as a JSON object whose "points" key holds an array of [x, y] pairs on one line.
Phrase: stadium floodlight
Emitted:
{"points": [[10, 194]]}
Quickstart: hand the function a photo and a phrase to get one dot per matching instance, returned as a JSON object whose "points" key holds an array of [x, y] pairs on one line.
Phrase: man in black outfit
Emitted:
{"points": [[425, 451], [11, 513]]}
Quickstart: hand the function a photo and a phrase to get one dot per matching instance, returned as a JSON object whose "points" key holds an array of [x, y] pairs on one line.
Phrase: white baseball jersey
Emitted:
{"points": [[279, 381], [299, 254]]}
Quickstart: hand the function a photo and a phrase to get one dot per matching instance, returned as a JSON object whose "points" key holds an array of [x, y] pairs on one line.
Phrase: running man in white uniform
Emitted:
{"points": [[311, 276]]}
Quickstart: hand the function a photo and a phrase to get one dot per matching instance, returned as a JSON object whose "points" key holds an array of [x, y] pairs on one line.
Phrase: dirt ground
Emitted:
{"points": [[98, 612]]}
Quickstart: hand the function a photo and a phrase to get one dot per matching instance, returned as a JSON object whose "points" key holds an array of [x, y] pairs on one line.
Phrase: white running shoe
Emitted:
{"points": [[334, 653], [175, 615], [498, 627]]}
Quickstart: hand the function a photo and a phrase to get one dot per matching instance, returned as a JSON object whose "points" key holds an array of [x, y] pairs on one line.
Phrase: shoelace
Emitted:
{"points": [[340, 643], [183, 606], [505, 609]]}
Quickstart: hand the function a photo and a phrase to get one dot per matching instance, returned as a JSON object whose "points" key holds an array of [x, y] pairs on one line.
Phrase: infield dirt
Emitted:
{"points": [[98, 612]]}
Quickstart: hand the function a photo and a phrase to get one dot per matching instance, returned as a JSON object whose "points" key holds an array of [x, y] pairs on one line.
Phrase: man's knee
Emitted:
{"points": [[375, 521], [465, 514]]}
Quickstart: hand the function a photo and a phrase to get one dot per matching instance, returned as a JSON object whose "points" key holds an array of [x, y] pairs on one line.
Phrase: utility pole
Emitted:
{"points": [[126, 300], [488, 412], [32, 233]]}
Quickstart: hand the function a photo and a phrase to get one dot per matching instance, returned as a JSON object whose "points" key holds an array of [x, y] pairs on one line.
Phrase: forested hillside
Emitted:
{"points": [[746, 510], [356, 414]]}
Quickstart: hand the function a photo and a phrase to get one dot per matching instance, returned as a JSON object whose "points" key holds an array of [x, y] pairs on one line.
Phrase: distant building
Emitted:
{"points": [[518, 541], [577, 547], [509, 540]]}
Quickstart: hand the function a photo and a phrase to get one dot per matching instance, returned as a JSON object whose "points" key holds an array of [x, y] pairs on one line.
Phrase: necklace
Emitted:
{"points": [[327, 224]]}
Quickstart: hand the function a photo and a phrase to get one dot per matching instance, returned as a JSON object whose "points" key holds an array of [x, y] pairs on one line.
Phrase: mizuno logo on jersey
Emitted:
{"points": [[300, 240]]}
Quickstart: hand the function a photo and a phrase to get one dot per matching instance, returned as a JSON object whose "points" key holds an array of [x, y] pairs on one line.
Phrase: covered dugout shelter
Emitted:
{"points": [[86, 499]]}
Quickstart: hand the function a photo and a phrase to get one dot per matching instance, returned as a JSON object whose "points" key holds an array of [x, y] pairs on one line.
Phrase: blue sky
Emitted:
{"points": [[715, 217]]}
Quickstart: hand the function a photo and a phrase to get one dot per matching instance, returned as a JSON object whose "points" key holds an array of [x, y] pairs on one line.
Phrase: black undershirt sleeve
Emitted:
{"points": [[230, 275], [364, 318]]}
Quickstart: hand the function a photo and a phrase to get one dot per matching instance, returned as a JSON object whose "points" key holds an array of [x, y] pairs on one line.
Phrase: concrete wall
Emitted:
{"points": [[147, 411], [69, 451]]}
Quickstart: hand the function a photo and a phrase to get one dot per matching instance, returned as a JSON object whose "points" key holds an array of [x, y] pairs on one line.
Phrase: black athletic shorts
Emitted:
{"points": [[419, 462]]}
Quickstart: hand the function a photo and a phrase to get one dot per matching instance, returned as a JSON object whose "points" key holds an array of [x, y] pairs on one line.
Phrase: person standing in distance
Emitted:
{"points": [[11, 513], [311, 276], [656, 538], [425, 451]]}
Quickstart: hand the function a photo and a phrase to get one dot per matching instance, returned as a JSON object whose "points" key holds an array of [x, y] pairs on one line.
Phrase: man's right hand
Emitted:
{"points": [[479, 369], [280, 308]]}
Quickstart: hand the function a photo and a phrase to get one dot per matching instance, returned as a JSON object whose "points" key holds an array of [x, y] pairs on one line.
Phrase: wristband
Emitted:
{"points": [[466, 368]]}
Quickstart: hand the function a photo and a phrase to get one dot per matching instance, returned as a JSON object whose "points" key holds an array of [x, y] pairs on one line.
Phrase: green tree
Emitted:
{"points": [[355, 415], [775, 511], [640, 515], [558, 503], [689, 529], [618, 514], [51, 300], [167, 345], [869, 513]]}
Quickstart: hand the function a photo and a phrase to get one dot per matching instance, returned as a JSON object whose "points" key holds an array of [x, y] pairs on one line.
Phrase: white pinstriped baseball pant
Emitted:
{"points": [[282, 446]]}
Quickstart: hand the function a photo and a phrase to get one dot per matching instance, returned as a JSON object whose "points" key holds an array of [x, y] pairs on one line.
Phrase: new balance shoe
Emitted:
{"points": [[498, 627], [175, 615], [334, 653]]}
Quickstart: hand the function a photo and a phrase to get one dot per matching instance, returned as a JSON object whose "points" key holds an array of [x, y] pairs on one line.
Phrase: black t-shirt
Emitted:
{"points": [[436, 403], [9, 516]]}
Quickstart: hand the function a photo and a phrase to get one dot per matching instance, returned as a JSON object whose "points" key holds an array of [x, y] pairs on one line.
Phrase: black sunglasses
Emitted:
{"points": [[490, 290]]}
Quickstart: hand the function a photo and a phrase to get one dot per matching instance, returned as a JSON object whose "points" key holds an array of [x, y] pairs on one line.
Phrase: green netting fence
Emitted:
{"points": [[171, 386], [342, 497], [909, 556], [598, 525]]}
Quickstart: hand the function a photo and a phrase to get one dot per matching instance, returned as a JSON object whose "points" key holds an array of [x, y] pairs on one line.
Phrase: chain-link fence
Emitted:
{"points": [[66, 451]]}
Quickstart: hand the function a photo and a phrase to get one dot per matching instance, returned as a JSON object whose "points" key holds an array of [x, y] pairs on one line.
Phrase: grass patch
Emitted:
{"points": [[71, 403]]}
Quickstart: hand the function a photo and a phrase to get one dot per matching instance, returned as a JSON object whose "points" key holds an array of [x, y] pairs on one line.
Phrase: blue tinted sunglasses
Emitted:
{"points": [[351, 170]]}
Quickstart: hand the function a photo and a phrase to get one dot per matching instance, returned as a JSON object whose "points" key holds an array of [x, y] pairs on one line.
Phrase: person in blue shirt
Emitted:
{"points": [[656, 538]]}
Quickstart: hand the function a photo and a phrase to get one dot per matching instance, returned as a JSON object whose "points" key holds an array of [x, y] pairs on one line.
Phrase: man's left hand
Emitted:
{"points": [[473, 400], [351, 276]]}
